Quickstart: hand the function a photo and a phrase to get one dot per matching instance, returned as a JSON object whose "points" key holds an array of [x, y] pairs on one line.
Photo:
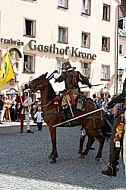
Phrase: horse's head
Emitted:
{"points": [[36, 83], [40, 83]]}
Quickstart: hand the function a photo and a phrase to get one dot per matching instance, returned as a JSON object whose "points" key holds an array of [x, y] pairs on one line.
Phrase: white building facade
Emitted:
{"points": [[42, 35], [121, 53]]}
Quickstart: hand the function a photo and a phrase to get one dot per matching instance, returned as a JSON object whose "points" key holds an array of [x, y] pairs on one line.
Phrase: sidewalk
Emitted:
{"points": [[17, 123], [7, 124]]}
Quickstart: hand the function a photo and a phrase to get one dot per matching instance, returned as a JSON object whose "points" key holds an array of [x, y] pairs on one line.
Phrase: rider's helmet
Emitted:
{"points": [[67, 66]]}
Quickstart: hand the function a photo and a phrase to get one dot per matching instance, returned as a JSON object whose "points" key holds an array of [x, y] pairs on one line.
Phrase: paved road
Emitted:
{"points": [[24, 163]]}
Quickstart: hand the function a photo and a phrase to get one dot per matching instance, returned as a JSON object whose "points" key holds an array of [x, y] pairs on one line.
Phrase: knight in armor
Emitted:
{"points": [[72, 89], [120, 98]]}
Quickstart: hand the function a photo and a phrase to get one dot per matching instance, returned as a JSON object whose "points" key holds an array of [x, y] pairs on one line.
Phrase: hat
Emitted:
{"points": [[67, 66]]}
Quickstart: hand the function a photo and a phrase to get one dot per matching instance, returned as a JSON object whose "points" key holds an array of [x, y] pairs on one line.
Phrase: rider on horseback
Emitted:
{"points": [[72, 89]]}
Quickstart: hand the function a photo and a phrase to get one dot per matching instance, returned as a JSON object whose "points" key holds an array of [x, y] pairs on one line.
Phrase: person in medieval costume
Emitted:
{"points": [[120, 98], [72, 89], [24, 111], [116, 140]]}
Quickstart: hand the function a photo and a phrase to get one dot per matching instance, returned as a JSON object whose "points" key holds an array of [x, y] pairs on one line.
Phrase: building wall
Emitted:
{"points": [[122, 62], [48, 17]]}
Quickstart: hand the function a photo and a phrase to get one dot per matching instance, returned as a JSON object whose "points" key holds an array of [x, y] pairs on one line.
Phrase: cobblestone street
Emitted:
{"points": [[24, 162]]}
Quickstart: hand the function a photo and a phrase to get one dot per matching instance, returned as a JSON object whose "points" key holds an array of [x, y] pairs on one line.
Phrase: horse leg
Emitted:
{"points": [[89, 144], [82, 138], [54, 153], [101, 140]]}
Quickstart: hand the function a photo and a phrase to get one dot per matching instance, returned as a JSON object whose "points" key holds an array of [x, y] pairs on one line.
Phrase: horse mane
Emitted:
{"points": [[52, 93]]}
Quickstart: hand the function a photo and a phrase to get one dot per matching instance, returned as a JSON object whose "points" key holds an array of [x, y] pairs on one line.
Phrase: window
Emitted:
{"points": [[28, 66], [105, 44], [29, 27], [60, 63], [85, 39], [106, 12], [63, 35], [105, 75], [86, 67], [63, 3], [86, 6], [120, 49]]}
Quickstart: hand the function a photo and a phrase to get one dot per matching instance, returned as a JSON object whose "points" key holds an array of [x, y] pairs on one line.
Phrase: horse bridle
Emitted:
{"points": [[41, 87], [46, 82]]}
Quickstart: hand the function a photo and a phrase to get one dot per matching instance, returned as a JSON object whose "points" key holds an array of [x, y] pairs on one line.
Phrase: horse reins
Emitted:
{"points": [[47, 104]]}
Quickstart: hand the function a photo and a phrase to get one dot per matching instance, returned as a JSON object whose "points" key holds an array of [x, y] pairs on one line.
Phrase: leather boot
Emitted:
{"points": [[111, 170]]}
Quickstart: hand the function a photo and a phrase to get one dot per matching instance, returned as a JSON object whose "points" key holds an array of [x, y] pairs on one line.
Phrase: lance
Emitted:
{"points": [[59, 124], [52, 75], [69, 104], [91, 85]]}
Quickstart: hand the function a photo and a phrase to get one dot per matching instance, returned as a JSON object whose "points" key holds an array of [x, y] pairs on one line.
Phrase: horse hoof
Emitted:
{"points": [[84, 153], [97, 160], [50, 156], [79, 152], [81, 156], [53, 161]]}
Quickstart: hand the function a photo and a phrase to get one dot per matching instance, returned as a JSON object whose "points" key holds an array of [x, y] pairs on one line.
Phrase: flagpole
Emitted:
{"points": [[19, 93]]}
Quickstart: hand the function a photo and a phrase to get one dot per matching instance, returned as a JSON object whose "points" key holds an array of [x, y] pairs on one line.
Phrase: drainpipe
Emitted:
{"points": [[117, 51]]}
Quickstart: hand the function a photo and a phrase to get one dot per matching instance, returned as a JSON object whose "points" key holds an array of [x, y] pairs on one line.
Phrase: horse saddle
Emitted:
{"points": [[64, 105]]}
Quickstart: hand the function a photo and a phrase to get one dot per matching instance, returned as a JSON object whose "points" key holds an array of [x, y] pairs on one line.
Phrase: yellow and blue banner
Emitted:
{"points": [[7, 71]]}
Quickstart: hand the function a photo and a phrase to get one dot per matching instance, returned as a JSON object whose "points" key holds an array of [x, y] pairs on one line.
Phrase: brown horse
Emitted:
{"points": [[52, 116]]}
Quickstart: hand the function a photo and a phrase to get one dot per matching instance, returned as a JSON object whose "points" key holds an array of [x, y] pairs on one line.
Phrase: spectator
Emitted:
{"points": [[109, 97], [7, 109], [94, 98], [1, 109], [99, 102], [104, 103], [13, 109], [113, 113], [25, 101], [39, 118]]}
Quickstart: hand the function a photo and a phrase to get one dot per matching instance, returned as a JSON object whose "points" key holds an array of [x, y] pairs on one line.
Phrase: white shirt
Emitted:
{"points": [[38, 116]]}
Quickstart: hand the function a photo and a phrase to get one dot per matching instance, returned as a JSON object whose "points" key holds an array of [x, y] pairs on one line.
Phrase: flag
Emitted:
{"points": [[7, 71]]}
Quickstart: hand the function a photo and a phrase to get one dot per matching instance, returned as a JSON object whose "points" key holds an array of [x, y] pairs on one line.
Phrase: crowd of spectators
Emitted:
{"points": [[9, 108], [111, 113]]}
